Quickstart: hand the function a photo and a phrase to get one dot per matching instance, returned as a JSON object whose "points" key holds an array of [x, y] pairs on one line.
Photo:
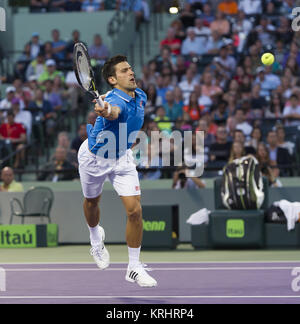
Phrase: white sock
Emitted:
{"points": [[134, 256], [95, 236]]}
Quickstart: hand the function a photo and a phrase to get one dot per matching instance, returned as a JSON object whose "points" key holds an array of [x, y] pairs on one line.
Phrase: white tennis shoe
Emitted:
{"points": [[139, 275], [100, 253]]}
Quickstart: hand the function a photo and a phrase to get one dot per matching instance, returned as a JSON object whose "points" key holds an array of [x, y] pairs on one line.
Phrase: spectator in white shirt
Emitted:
{"points": [[242, 27], [92, 5], [271, 77], [5, 104], [214, 43], [197, 76], [265, 32], [290, 146], [251, 7], [202, 99], [225, 64], [187, 86], [146, 10], [267, 83], [35, 46], [98, 50], [242, 24], [74, 91], [200, 29], [292, 110], [192, 45], [22, 116], [241, 123]]}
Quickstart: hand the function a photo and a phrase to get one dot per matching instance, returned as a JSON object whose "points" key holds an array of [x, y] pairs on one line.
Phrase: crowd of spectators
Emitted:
{"points": [[139, 7], [209, 77], [42, 91]]}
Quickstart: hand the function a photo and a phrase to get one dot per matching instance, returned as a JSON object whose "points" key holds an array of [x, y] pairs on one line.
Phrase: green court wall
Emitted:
{"points": [[68, 214]]}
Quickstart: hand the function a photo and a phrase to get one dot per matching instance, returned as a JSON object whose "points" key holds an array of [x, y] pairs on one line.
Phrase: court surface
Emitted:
{"points": [[185, 276]]}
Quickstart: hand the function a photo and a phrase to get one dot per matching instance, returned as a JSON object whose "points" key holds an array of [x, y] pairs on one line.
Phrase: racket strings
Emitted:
{"points": [[84, 70]]}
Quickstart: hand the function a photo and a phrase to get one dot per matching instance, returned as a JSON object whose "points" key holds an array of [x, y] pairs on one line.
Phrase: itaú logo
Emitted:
{"points": [[2, 19]]}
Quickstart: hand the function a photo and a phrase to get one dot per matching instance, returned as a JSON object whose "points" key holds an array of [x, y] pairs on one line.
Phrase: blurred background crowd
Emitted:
{"points": [[207, 77]]}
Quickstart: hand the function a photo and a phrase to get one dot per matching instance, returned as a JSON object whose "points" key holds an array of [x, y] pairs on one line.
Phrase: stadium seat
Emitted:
{"points": [[37, 202]]}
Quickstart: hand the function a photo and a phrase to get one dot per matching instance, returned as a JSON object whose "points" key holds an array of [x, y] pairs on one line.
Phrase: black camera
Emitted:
{"points": [[182, 175]]}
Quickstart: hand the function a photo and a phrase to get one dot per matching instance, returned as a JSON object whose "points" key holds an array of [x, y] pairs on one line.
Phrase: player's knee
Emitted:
{"points": [[92, 203], [135, 214]]}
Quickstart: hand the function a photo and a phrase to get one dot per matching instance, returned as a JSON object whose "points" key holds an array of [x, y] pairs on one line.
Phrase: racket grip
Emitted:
{"points": [[109, 109], [101, 103]]}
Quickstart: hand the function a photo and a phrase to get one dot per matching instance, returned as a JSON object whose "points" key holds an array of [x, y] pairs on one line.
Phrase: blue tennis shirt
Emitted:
{"points": [[112, 136]]}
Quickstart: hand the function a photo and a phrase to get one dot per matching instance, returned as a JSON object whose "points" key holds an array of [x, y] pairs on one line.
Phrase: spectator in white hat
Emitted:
{"points": [[51, 72], [6, 103]]}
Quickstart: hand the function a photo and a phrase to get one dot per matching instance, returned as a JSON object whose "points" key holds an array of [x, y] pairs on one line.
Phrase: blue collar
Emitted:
{"points": [[124, 95]]}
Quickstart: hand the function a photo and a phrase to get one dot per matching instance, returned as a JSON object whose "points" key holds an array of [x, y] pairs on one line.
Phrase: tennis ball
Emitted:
{"points": [[268, 59]]}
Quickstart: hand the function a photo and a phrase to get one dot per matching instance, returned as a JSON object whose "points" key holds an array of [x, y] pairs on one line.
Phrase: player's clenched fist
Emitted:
{"points": [[102, 111]]}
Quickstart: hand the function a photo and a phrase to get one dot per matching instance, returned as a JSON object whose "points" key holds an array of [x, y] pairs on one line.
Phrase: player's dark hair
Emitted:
{"points": [[109, 68]]}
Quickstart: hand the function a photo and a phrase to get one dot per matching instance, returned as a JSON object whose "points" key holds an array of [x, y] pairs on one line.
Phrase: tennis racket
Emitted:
{"points": [[85, 74]]}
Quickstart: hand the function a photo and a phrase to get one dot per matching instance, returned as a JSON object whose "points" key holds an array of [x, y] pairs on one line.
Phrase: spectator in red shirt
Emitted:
{"points": [[15, 135], [172, 42], [212, 127]]}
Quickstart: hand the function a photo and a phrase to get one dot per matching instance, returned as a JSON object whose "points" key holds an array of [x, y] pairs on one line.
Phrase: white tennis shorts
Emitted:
{"points": [[94, 170]]}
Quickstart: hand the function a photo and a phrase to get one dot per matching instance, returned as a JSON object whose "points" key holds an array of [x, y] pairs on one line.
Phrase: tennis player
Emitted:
{"points": [[123, 105]]}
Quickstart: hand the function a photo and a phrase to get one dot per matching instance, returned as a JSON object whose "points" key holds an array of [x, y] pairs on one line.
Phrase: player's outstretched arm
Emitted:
{"points": [[104, 111]]}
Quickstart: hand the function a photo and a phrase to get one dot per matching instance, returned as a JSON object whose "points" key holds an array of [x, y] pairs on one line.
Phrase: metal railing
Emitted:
{"points": [[33, 148], [7, 160], [290, 170], [118, 19], [116, 22], [149, 31], [211, 169]]}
